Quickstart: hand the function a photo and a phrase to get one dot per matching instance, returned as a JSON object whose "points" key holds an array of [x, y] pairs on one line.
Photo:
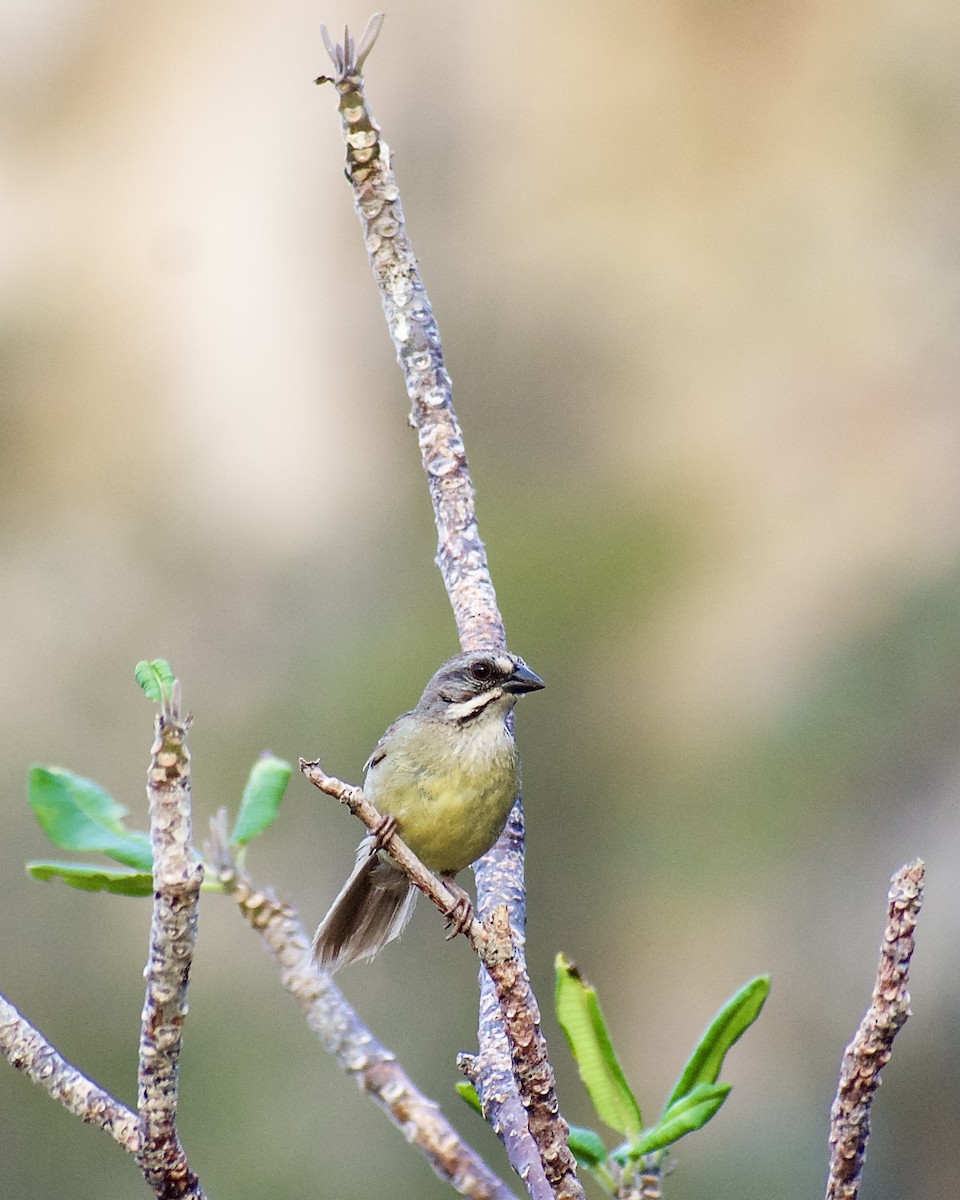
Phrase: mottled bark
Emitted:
{"points": [[872, 1045]]}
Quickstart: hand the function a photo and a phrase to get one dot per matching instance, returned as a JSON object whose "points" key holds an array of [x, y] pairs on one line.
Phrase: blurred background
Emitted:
{"points": [[697, 268]]}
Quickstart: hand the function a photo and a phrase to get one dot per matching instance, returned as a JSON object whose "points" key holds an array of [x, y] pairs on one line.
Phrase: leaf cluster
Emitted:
{"points": [[77, 814], [695, 1099]]}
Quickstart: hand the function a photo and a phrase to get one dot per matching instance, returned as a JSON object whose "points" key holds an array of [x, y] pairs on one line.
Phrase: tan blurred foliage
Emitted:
{"points": [[696, 266]]}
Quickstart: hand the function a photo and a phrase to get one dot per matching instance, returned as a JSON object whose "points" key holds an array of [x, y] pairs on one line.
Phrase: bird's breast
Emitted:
{"points": [[450, 788]]}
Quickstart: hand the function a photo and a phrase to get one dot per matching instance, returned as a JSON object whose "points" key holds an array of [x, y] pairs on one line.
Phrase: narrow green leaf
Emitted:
{"points": [[155, 677], [466, 1091], [94, 879], [587, 1147], [689, 1113], [77, 814], [736, 1016], [261, 798], [581, 1020]]}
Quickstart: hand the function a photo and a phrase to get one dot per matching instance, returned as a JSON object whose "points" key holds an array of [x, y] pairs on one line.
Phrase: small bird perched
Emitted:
{"points": [[444, 776]]}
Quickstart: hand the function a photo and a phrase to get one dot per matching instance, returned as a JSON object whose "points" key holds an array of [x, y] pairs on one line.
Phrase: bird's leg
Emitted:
{"points": [[460, 915], [386, 828]]}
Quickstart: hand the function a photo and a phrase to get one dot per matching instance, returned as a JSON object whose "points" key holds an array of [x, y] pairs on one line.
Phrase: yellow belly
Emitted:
{"points": [[450, 790]]}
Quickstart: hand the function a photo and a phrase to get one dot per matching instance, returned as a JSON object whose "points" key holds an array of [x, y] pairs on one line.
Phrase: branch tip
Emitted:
{"points": [[348, 58], [873, 1042]]}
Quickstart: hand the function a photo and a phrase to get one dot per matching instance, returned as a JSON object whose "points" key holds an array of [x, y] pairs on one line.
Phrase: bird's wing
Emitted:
{"points": [[380, 749]]}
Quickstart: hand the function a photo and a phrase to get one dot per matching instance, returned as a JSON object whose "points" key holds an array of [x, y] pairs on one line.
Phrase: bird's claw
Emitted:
{"points": [[460, 913], [386, 828]]}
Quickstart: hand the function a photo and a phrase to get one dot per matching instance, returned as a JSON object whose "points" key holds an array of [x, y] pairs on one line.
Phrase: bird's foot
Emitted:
{"points": [[460, 914], [386, 828]]}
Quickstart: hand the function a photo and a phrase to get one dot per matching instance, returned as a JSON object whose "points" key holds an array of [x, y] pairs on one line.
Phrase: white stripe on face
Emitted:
{"points": [[469, 710]]}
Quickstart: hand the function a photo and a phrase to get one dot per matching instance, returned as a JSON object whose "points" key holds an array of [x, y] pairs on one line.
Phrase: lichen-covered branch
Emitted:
{"points": [[345, 1036], [872, 1045], [177, 875], [499, 876], [497, 947], [23, 1045], [461, 555]]}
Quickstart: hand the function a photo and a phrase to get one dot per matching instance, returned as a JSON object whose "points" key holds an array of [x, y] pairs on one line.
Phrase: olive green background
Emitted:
{"points": [[696, 268]]}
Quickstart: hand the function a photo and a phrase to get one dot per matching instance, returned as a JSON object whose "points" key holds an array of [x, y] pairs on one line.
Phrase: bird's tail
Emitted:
{"points": [[372, 908]]}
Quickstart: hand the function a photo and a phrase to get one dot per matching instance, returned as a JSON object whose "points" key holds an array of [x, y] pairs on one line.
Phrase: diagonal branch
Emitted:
{"points": [[177, 875], [872, 1045], [23, 1045], [345, 1036], [432, 886]]}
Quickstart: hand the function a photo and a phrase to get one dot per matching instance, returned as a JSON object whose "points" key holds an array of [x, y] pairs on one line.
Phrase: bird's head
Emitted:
{"points": [[464, 686]]}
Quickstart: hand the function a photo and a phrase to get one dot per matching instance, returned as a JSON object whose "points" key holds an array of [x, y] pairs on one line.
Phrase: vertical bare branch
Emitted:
{"points": [[872, 1045], [177, 875], [499, 876], [23, 1045], [461, 555], [462, 560], [345, 1036]]}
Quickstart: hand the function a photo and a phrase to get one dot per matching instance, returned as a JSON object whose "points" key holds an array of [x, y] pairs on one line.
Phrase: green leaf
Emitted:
{"points": [[77, 814], [155, 677], [261, 798], [466, 1091], [581, 1020], [690, 1113], [94, 879], [736, 1016], [587, 1147]]}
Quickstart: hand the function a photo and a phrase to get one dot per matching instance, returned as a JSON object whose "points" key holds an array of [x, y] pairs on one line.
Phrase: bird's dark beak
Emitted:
{"points": [[523, 680]]}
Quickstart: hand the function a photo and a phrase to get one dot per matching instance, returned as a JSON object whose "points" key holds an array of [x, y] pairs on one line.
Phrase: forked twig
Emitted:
{"points": [[150, 1134], [347, 60]]}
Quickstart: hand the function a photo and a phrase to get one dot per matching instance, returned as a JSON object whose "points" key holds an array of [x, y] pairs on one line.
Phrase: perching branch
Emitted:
{"points": [[432, 886], [23, 1045], [177, 875], [872, 1045], [494, 943], [345, 1036], [461, 558]]}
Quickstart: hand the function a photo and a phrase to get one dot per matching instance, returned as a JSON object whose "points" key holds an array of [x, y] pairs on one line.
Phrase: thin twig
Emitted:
{"points": [[872, 1045], [177, 875], [344, 1035], [496, 946], [431, 885], [499, 877], [23, 1045]]}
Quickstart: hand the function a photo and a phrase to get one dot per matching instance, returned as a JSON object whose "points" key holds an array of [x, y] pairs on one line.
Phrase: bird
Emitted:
{"points": [[444, 776]]}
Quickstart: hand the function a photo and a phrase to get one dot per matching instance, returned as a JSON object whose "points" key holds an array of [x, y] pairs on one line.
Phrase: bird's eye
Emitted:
{"points": [[481, 671]]}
